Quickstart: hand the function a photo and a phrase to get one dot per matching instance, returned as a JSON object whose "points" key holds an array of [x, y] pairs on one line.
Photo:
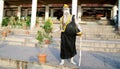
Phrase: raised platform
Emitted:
{"points": [[17, 56], [25, 57]]}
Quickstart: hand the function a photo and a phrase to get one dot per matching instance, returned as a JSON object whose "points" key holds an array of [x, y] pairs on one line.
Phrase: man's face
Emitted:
{"points": [[66, 11]]}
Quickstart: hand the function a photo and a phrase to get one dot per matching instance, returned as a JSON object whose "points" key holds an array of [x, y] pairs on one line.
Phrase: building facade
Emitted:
{"points": [[53, 8]]}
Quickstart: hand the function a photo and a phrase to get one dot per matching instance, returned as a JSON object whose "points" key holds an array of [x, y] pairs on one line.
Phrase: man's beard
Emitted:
{"points": [[66, 15]]}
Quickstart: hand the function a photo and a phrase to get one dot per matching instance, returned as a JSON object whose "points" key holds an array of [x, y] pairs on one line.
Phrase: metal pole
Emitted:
{"points": [[80, 54]]}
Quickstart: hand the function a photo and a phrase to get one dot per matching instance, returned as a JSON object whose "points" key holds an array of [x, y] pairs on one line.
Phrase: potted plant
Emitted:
{"points": [[40, 37], [42, 58], [47, 38], [48, 26], [44, 36], [48, 29], [5, 21], [4, 33], [42, 55], [28, 21], [5, 24], [12, 21]]}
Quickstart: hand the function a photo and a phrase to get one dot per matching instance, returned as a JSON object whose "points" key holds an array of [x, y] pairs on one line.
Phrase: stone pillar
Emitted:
{"points": [[80, 12], [1, 11], [114, 11], [19, 12], [52, 11], [119, 14], [111, 14], [4, 13], [33, 14], [46, 12], [26, 12], [74, 7]]}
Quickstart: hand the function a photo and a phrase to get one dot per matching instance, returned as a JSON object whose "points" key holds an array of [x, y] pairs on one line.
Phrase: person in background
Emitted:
{"points": [[116, 22]]}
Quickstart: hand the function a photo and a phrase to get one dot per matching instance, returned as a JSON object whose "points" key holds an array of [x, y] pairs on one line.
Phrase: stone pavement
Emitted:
{"points": [[90, 60]]}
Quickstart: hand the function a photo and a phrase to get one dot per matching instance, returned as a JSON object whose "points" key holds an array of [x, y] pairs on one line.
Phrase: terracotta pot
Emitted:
{"points": [[27, 32], [47, 41], [42, 58], [4, 34], [8, 31], [37, 24]]}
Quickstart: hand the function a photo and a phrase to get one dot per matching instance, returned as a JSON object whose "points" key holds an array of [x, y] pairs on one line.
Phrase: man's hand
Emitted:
{"points": [[79, 34]]}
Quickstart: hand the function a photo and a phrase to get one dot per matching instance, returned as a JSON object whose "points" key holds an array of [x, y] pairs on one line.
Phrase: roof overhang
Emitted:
{"points": [[44, 2]]}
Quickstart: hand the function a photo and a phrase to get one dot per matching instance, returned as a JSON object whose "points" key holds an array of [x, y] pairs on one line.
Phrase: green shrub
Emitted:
{"points": [[40, 37], [48, 26], [5, 21]]}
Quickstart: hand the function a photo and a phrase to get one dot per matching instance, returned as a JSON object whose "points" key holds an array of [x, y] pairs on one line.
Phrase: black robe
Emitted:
{"points": [[68, 39]]}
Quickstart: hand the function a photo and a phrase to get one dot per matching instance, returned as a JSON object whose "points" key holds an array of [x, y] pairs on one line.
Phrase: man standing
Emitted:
{"points": [[68, 49], [116, 22]]}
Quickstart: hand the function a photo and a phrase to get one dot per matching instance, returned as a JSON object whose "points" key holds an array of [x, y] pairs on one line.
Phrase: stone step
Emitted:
{"points": [[20, 43], [86, 44], [89, 32], [101, 36], [95, 32], [92, 27], [99, 45], [99, 49], [8, 63], [94, 36], [97, 26], [96, 45], [1, 67], [50, 66], [22, 32], [20, 40]]}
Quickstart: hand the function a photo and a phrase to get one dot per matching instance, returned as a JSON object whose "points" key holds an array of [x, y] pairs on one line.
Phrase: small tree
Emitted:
{"points": [[48, 26], [40, 37]]}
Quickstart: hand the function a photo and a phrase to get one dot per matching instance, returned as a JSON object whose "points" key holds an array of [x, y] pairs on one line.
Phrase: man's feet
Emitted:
{"points": [[72, 61], [62, 62]]}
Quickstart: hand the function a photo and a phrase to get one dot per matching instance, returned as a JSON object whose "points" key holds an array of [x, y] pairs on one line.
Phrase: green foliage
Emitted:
{"points": [[37, 19], [40, 37], [5, 21], [48, 36], [14, 21], [48, 26], [28, 21]]}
